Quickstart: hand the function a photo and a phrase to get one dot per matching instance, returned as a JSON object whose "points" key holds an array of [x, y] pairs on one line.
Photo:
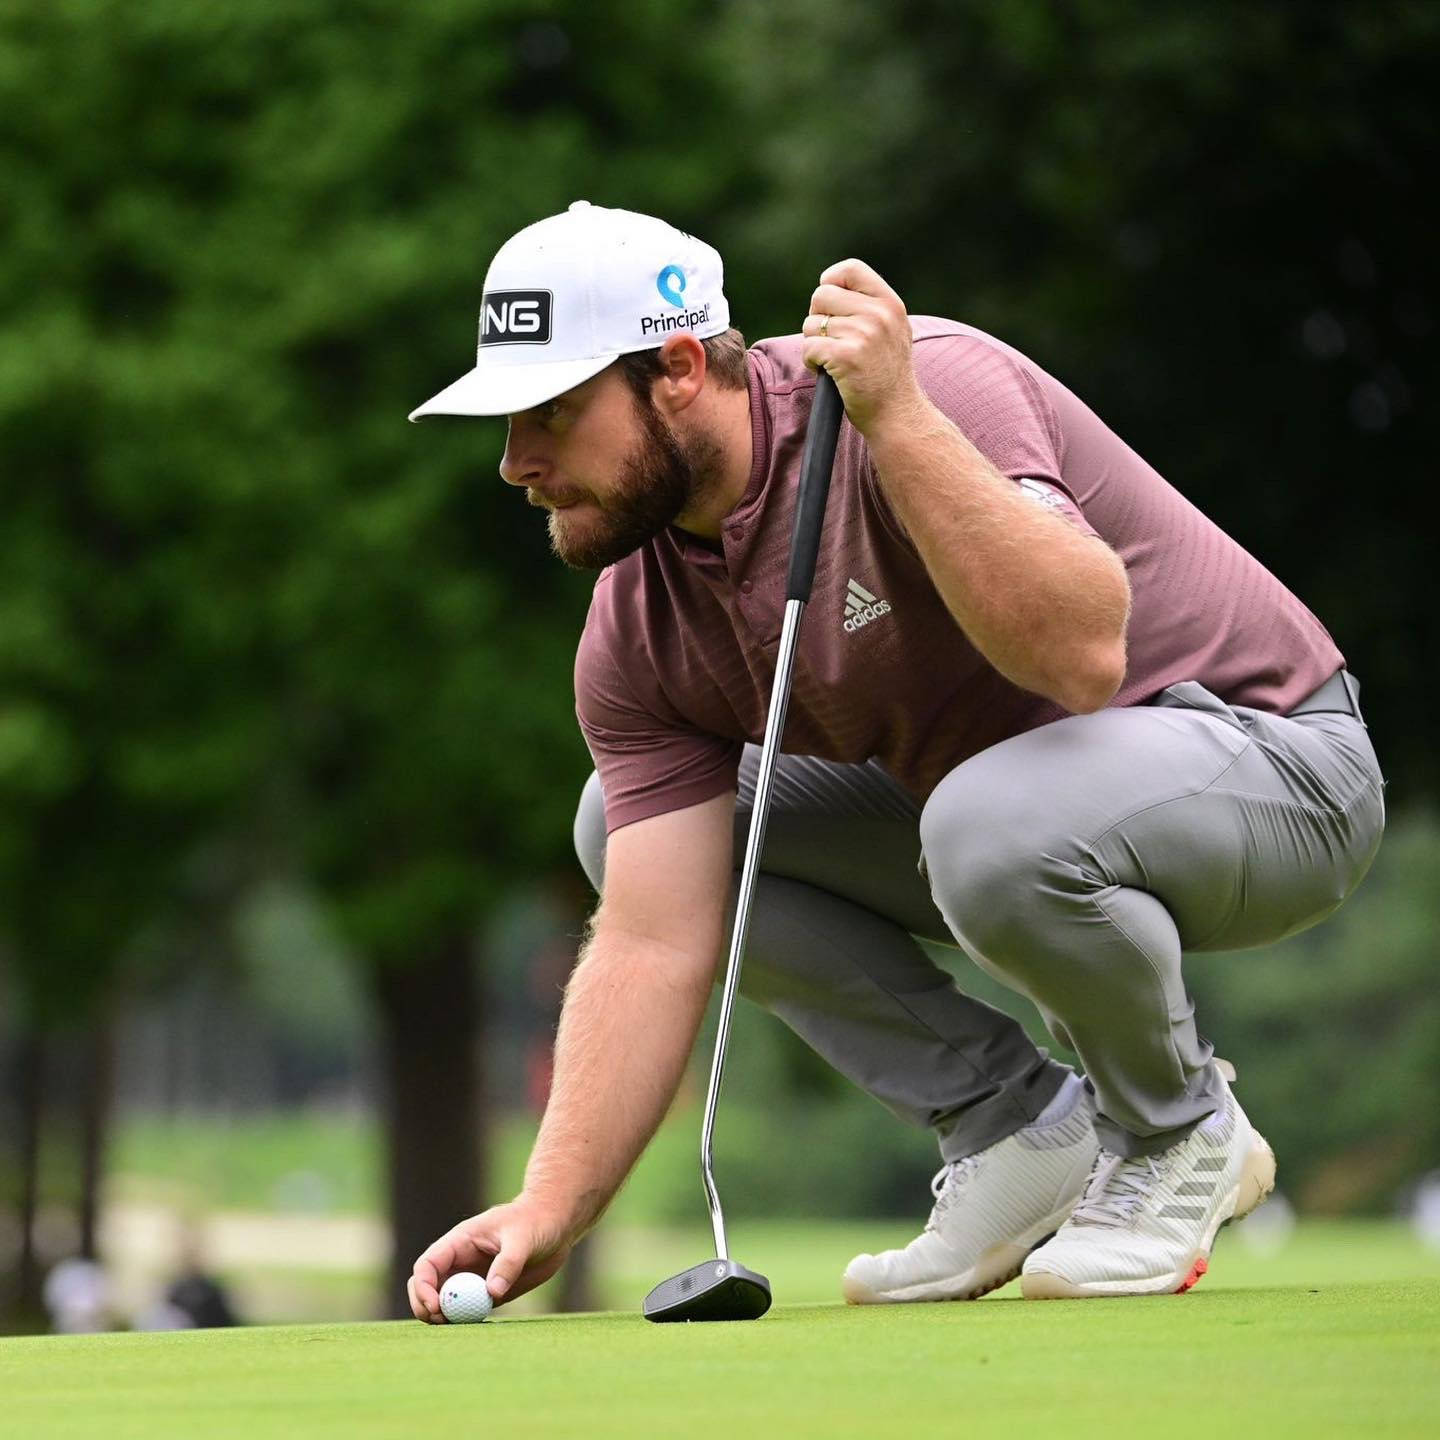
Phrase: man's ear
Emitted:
{"points": [[682, 374]]}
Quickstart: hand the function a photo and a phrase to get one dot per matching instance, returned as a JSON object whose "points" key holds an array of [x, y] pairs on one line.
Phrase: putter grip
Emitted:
{"points": [[826, 413]]}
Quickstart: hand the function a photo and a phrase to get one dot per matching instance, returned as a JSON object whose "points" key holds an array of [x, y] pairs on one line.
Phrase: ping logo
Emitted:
{"points": [[670, 282], [515, 317]]}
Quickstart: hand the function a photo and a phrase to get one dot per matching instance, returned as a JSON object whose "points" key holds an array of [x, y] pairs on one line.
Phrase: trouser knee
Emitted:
{"points": [[589, 832], [990, 905], [1024, 904], [1002, 879], [982, 857]]}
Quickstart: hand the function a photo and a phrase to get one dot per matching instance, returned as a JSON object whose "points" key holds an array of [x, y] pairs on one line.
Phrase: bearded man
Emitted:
{"points": [[1043, 709]]}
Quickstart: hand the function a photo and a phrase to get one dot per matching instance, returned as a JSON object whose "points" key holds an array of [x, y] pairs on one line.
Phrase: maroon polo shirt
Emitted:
{"points": [[676, 662]]}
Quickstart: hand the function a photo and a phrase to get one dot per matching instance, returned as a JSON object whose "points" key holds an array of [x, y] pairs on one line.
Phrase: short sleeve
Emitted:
{"points": [[650, 761], [1000, 407]]}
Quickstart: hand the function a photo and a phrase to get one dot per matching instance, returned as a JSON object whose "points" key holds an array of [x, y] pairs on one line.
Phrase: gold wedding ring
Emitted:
{"points": [[824, 327]]}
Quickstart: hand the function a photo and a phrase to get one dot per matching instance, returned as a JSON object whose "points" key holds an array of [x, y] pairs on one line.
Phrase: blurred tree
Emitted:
{"points": [[250, 237], [128, 712]]}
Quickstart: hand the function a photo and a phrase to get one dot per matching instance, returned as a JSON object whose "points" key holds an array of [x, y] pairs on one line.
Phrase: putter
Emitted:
{"points": [[722, 1288]]}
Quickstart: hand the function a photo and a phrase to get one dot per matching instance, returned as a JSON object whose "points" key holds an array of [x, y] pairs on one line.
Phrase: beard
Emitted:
{"points": [[657, 481]]}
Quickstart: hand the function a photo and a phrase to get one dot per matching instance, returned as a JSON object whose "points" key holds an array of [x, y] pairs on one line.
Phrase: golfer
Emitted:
{"points": [[1043, 709]]}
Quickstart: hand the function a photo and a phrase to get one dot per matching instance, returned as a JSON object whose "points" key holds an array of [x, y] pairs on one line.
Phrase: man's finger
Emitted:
{"points": [[856, 275], [505, 1268], [423, 1289], [421, 1310], [457, 1249], [836, 300]]}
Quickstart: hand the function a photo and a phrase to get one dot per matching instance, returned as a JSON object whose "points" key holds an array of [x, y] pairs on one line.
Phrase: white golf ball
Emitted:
{"points": [[464, 1300]]}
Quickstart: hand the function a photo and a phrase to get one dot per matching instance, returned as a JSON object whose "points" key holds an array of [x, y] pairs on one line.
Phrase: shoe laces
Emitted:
{"points": [[1117, 1187], [947, 1183]]}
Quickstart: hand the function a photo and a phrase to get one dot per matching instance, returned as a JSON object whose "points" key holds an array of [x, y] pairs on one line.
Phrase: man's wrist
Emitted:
{"points": [[569, 1214], [903, 423]]}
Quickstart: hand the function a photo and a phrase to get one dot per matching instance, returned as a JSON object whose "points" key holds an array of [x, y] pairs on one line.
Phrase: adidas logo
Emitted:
{"points": [[861, 607]]}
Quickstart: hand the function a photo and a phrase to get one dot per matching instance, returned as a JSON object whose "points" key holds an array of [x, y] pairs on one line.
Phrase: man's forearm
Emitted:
{"points": [[632, 1010], [1043, 603]]}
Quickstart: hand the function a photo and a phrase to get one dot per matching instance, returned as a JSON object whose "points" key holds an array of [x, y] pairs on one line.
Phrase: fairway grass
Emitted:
{"points": [[1330, 1358]]}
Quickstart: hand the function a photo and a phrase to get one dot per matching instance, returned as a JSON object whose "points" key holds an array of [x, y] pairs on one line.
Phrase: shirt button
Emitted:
{"points": [[737, 532], [746, 587]]}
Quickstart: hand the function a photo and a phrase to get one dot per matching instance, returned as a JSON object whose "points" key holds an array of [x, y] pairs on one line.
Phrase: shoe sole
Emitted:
{"points": [[996, 1267], [1257, 1180]]}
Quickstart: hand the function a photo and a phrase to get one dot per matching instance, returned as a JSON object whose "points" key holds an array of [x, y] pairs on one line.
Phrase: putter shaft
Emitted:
{"points": [[759, 814]]}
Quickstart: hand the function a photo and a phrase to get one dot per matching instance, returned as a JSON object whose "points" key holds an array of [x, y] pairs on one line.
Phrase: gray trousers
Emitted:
{"points": [[1076, 863]]}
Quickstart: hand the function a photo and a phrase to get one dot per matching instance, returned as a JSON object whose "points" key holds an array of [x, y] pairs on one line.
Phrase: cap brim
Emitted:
{"points": [[508, 389]]}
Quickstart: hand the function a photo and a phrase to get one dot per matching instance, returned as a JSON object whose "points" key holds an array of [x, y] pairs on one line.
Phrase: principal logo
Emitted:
{"points": [[516, 317], [861, 607], [670, 282]]}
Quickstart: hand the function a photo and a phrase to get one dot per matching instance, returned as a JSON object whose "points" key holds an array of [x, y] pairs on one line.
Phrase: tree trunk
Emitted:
{"points": [[30, 1085], [94, 1106], [577, 1279], [430, 1024]]}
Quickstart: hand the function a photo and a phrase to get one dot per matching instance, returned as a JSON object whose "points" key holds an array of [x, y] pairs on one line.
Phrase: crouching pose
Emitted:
{"points": [[1043, 709]]}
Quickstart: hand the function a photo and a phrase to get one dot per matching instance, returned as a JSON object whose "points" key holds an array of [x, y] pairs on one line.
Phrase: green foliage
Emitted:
{"points": [[1336, 1033], [242, 591], [251, 622]]}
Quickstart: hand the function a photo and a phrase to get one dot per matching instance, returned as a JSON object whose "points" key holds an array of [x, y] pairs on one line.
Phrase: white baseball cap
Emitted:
{"points": [[570, 294]]}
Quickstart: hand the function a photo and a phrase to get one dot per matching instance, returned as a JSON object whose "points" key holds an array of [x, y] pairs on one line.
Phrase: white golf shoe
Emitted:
{"points": [[1146, 1226], [990, 1210]]}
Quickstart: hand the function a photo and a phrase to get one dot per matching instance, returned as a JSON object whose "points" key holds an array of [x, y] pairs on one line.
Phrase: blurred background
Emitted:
{"points": [[287, 750]]}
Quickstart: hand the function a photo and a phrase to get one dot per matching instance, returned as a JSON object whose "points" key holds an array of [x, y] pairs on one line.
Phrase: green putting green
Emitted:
{"points": [[1324, 1353]]}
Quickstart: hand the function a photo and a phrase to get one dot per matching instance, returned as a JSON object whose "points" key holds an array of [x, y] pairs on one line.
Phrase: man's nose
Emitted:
{"points": [[522, 463]]}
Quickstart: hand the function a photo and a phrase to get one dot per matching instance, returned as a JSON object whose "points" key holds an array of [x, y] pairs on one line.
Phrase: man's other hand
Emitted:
{"points": [[514, 1246]]}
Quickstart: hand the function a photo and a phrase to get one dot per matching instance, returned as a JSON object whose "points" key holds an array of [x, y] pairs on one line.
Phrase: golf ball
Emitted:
{"points": [[464, 1300]]}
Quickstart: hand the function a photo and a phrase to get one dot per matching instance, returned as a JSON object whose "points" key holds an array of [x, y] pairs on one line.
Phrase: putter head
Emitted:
{"points": [[713, 1290]]}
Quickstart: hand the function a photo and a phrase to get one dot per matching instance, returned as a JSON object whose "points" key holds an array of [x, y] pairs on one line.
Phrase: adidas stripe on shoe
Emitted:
{"points": [[1146, 1226]]}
